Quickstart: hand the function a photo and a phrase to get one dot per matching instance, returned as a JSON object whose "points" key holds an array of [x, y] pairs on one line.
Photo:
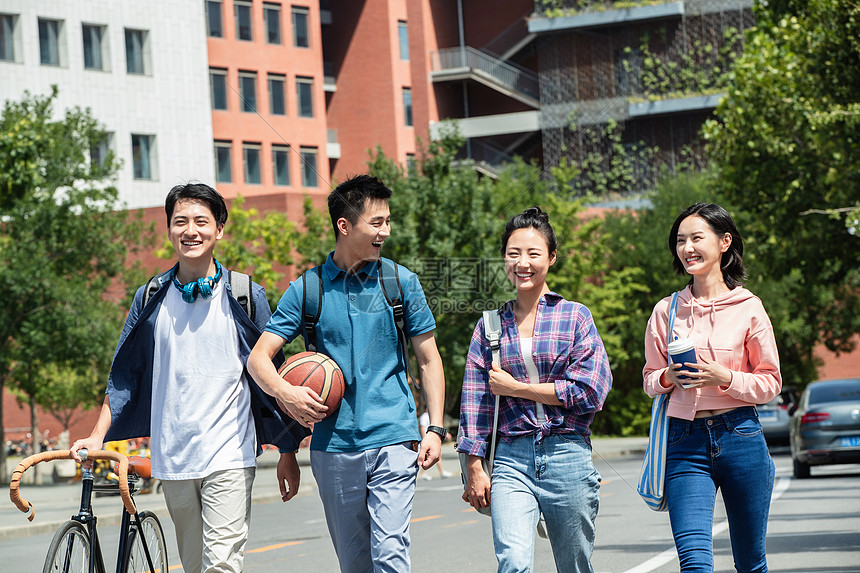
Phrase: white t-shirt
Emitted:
{"points": [[201, 404], [534, 375]]}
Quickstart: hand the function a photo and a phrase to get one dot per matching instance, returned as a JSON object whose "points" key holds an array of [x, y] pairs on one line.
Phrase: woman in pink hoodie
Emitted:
{"points": [[715, 439]]}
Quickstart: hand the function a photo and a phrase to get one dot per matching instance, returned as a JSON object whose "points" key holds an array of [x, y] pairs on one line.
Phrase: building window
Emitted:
{"points": [[277, 96], [50, 38], [243, 20], [143, 156], [248, 91], [281, 164], [251, 154], [403, 35], [309, 166], [214, 26], [304, 96], [137, 51], [272, 17], [411, 164], [7, 37], [99, 151], [223, 168], [301, 38], [407, 106], [95, 55], [218, 87], [628, 68]]}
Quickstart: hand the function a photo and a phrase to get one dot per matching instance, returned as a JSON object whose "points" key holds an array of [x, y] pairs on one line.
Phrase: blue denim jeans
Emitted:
{"points": [[554, 476], [726, 451]]}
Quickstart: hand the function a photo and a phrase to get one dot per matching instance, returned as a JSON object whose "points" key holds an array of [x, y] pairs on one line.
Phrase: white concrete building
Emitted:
{"points": [[140, 65]]}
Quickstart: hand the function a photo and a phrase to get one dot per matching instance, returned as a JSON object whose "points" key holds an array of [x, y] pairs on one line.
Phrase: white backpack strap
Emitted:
{"points": [[493, 332]]}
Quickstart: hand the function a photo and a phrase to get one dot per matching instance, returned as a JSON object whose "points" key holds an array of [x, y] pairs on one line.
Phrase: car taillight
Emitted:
{"points": [[814, 417]]}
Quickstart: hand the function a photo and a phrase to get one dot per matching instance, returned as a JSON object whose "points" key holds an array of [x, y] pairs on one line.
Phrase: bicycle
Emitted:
{"points": [[75, 547]]}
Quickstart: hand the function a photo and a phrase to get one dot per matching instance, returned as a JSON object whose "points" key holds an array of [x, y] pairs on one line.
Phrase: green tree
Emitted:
{"points": [[62, 243], [63, 389], [637, 243], [788, 155]]}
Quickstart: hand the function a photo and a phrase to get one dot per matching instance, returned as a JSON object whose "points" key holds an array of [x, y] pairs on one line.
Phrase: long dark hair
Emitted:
{"points": [[720, 222], [532, 218]]}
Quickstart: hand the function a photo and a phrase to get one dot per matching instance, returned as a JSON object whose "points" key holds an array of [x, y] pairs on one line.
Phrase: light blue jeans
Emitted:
{"points": [[554, 476], [367, 497], [727, 451]]}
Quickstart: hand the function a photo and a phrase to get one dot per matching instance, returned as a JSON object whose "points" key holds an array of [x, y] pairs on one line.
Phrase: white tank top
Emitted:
{"points": [[532, 371]]}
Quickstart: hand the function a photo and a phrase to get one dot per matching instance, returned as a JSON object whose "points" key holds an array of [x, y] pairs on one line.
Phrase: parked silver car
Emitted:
{"points": [[825, 426], [775, 418]]}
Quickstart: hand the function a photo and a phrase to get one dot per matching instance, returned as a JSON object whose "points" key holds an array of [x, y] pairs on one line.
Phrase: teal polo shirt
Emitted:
{"points": [[356, 329]]}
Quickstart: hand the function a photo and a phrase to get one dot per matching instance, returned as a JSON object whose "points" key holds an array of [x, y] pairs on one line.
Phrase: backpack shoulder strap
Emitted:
{"points": [[312, 290], [389, 280], [493, 332], [240, 288], [153, 284]]}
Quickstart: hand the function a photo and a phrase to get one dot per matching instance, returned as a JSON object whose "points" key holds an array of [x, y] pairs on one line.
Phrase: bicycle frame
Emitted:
{"points": [[86, 517], [131, 527]]}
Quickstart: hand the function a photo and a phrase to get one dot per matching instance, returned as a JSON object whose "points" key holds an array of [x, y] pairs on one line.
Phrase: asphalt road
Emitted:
{"points": [[814, 527]]}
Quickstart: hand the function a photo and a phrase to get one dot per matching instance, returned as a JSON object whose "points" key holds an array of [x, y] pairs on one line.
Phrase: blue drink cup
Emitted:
{"points": [[682, 350]]}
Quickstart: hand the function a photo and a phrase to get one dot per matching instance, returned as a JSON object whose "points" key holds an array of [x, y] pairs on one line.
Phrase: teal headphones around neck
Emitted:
{"points": [[201, 287]]}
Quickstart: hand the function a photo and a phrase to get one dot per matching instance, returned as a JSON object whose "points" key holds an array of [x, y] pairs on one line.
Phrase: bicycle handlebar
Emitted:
{"points": [[27, 507]]}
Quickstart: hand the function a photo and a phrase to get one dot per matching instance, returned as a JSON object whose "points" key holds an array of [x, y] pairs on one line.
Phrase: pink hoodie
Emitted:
{"points": [[732, 329]]}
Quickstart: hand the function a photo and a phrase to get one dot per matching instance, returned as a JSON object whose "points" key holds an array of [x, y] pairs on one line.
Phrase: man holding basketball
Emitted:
{"points": [[365, 456], [178, 376]]}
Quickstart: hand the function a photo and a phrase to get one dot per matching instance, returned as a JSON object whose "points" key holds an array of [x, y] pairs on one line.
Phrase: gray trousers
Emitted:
{"points": [[211, 517], [367, 497]]}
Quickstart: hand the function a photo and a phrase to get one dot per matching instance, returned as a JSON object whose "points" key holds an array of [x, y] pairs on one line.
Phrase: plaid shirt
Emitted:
{"points": [[568, 352]]}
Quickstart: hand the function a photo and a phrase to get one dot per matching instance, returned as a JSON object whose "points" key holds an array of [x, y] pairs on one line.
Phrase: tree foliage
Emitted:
{"points": [[62, 243], [637, 243], [787, 146]]}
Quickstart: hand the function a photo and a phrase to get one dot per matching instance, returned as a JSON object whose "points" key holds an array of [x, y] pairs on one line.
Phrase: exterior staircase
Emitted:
{"points": [[457, 64]]}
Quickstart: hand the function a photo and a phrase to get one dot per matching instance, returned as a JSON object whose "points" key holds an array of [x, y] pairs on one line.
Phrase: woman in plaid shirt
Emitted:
{"points": [[554, 376]]}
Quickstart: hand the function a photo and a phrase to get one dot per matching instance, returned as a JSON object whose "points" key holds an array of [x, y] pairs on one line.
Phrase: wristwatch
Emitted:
{"points": [[439, 430]]}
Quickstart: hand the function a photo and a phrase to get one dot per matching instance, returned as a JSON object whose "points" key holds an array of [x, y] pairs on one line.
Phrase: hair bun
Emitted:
{"points": [[537, 213]]}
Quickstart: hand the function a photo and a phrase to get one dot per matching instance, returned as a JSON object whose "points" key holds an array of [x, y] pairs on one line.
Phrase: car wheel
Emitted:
{"points": [[801, 469]]}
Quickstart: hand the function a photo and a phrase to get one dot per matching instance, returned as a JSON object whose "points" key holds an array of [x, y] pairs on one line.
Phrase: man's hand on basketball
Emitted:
{"points": [[302, 404], [288, 476], [430, 450]]}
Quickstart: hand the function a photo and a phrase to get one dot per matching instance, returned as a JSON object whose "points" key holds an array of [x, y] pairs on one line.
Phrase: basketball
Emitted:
{"points": [[319, 373]]}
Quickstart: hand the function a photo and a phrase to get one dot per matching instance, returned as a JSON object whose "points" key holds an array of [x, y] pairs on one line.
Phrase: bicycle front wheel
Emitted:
{"points": [[147, 552], [70, 550]]}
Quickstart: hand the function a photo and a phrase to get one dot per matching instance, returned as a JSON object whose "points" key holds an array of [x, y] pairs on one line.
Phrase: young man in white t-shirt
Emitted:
{"points": [[179, 377]]}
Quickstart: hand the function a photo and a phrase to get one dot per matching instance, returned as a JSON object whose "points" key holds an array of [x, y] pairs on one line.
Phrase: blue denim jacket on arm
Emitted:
{"points": [[130, 382]]}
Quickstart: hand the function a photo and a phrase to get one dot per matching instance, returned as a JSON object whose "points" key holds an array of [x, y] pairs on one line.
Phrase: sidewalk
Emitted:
{"points": [[55, 503]]}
